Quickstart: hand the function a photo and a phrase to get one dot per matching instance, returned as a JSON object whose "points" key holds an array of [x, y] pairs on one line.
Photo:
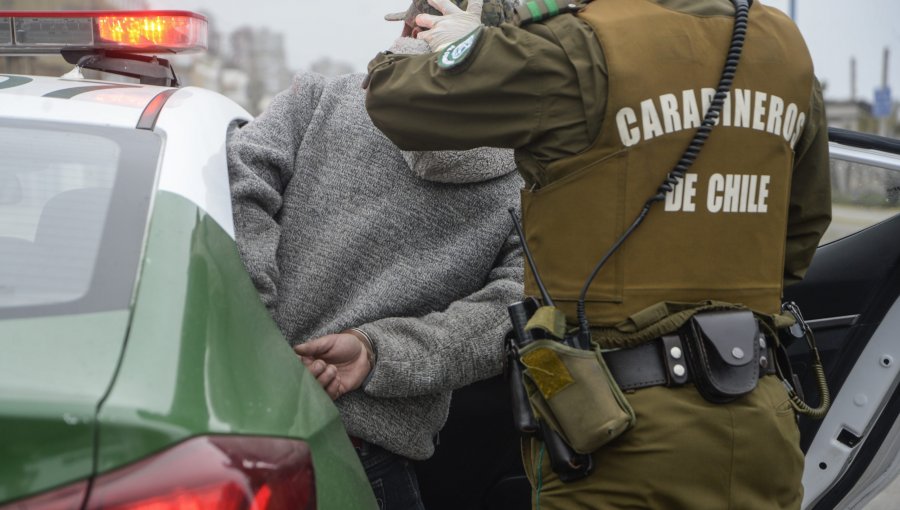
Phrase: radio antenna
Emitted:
{"points": [[537, 277]]}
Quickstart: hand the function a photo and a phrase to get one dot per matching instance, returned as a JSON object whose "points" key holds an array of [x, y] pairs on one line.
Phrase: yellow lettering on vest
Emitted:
{"points": [[737, 193], [742, 108], [801, 122], [624, 118], [790, 122], [671, 118], [776, 109], [650, 118], [691, 113], [714, 200], [706, 96], [681, 198], [759, 111]]}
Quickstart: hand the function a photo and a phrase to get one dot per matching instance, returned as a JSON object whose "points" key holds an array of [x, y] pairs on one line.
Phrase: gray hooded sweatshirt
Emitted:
{"points": [[339, 228]]}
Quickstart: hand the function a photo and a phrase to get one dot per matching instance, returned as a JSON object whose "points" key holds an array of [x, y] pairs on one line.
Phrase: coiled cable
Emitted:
{"points": [[738, 35]]}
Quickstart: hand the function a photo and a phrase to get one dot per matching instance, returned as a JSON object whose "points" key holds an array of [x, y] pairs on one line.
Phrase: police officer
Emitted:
{"points": [[600, 99]]}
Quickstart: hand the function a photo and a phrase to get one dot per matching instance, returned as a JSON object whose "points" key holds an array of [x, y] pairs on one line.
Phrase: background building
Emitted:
{"points": [[249, 61], [249, 65]]}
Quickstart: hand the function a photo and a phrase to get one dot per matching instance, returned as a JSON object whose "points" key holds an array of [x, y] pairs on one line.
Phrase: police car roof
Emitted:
{"points": [[74, 100]]}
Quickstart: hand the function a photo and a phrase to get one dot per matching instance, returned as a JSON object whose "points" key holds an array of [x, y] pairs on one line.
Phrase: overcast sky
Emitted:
{"points": [[354, 30]]}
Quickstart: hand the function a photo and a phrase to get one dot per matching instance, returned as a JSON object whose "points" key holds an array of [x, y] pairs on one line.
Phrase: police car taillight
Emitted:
{"points": [[125, 31], [217, 472]]}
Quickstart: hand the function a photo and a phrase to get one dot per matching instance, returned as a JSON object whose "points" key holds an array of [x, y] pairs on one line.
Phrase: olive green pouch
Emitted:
{"points": [[574, 392]]}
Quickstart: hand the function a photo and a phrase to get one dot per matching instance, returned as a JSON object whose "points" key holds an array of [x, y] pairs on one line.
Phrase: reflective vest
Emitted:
{"points": [[720, 235]]}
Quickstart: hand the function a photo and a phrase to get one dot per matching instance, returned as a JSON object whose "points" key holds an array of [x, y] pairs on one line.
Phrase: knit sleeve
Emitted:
{"points": [[446, 350], [261, 162]]}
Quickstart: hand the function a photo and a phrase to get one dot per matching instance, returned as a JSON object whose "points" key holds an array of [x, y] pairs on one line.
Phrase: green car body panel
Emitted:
{"points": [[201, 356], [54, 372]]}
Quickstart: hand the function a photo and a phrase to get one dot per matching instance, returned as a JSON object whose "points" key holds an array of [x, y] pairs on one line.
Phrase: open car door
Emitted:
{"points": [[850, 300], [849, 297]]}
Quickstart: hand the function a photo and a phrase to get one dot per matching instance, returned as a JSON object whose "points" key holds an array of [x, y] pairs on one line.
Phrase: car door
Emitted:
{"points": [[849, 299]]}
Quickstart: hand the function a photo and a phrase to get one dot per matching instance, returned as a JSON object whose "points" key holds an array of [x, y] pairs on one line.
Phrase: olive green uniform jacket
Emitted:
{"points": [[542, 90], [539, 90]]}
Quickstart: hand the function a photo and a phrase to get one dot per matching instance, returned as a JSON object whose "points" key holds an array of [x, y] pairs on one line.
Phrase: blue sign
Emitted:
{"points": [[882, 106]]}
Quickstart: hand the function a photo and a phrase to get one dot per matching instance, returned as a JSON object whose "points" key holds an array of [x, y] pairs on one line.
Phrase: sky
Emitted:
{"points": [[353, 31]]}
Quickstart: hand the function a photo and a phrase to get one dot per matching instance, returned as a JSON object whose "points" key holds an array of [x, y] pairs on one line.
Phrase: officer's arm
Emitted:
{"points": [[450, 349], [500, 94], [261, 159], [810, 205]]}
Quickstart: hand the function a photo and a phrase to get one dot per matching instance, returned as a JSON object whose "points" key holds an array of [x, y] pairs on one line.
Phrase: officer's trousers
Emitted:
{"points": [[686, 453]]}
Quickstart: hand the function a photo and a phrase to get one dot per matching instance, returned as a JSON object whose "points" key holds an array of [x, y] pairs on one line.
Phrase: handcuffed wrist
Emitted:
{"points": [[367, 343], [369, 346]]}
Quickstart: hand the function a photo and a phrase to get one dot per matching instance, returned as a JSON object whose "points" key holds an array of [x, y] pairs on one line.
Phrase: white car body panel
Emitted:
{"points": [[865, 393], [855, 408], [98, 103], [193, 122]]}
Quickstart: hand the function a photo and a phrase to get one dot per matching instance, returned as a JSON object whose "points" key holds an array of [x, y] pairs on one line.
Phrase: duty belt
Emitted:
{"points": [[662, 362]]}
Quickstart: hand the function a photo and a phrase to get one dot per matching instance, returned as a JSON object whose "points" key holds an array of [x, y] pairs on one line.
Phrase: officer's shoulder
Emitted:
{"points": [[536, 11]]}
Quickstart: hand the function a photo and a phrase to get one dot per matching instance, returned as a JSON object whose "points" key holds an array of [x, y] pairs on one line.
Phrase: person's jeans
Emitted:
{"points": [[392, 477]]}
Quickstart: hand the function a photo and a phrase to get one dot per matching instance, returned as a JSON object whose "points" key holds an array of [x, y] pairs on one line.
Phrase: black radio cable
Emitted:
{"points": [[739, 33], [548, 301]]}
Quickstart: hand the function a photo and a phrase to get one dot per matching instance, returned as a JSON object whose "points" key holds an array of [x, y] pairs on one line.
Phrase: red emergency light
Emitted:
{"points": [[126, 31]]}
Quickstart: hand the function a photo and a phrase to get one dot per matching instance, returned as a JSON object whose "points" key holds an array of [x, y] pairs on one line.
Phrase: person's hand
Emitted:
{"points": [[452, 26], [340, 362]]}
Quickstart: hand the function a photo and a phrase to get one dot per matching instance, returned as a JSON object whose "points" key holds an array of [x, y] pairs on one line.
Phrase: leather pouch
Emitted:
{"points": [[724, 350], [574, 392]]}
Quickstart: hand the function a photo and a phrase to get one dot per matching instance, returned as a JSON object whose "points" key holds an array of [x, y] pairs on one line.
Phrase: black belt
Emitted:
{"points": [[661, 362]]}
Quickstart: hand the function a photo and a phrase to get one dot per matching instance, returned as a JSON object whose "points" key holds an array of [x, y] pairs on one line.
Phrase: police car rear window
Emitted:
{"points": [[73, 208], [54, 198]]}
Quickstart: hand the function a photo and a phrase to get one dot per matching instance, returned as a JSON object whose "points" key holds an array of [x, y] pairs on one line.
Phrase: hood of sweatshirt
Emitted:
{"points": [[476, 165]]}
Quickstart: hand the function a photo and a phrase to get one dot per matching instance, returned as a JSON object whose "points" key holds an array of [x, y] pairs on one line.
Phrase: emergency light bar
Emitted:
{"points": [[30, 32]]}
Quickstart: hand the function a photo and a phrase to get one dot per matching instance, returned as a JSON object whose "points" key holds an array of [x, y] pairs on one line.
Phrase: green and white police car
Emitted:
{"points": [[138, 368]]}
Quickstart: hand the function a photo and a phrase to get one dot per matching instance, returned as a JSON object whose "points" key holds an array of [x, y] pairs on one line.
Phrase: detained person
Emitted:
{"points": [[389, 271]]}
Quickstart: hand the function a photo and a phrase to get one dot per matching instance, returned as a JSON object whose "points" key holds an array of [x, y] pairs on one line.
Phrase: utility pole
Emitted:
{"points": [[886, 121], [793, 8]]}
